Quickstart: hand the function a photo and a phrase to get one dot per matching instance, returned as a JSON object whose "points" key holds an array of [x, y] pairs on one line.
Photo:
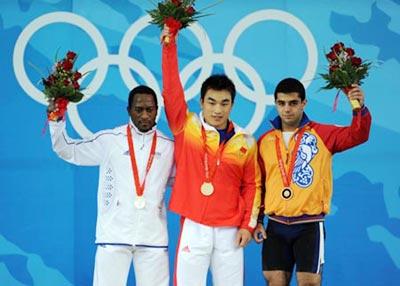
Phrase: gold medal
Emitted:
{"points": [[287, 193], [207, 189], [140, 202]]}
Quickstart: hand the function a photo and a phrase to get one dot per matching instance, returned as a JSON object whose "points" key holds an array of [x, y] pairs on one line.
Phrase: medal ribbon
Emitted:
{"points": [[140, 188], [287, 177], [209, 177]]}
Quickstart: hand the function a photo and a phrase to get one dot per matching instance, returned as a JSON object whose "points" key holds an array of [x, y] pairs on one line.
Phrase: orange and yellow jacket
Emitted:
{"points": [[237, 181], [311, 182]]}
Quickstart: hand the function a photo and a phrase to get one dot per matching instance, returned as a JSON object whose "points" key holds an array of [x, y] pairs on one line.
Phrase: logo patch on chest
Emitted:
{"points": [[303, 173]]}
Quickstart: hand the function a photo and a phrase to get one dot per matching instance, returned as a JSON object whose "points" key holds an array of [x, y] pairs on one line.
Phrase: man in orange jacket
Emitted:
{"points": [[295, 158]]}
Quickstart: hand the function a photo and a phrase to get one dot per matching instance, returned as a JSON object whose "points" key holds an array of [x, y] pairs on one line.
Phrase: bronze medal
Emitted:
{"points": [[207, 189], [287, 193], [286, 176]]}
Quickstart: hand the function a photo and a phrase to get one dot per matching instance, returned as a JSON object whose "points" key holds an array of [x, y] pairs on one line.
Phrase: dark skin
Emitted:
{"points": [[143, 111]]}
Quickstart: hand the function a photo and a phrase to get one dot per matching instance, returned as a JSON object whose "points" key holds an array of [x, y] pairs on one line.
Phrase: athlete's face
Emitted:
{"points": [[290, 108], [143, 111], [216, 106]]}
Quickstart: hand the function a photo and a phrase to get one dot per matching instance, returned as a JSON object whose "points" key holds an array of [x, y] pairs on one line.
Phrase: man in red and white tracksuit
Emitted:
{"points": [[217, 185]]}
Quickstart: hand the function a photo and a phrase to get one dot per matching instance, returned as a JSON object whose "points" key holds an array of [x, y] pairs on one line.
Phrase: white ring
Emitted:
{"points": [[275, 15]]}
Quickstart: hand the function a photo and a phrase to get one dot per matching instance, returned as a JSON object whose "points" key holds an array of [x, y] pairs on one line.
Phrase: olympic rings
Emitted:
{"points": [[204, 63]]}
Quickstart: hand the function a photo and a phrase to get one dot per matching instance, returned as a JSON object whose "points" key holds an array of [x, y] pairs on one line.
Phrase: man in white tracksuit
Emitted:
{"points": [[134, 171]]}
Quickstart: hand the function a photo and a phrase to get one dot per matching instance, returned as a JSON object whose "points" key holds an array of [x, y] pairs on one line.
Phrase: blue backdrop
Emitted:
{"points": [[48, 207]]}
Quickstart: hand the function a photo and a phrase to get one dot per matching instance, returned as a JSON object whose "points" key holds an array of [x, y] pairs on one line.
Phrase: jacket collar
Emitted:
{"points": [[277, 122]]}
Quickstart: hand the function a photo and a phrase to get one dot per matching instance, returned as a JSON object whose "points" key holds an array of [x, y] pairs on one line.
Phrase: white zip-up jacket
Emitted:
{"points": [[118, 220]]}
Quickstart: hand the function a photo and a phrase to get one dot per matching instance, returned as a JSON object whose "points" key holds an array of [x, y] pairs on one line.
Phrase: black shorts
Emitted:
{"points": [[296, 244]]}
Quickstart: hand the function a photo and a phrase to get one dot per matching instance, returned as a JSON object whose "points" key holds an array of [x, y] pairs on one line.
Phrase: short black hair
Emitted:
{"points": [[141, 89], [218, 82], [289, 85]]}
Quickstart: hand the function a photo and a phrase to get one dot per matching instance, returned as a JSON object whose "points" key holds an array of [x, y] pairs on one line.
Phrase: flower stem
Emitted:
{"points": [[37, 69], [211, 5]]}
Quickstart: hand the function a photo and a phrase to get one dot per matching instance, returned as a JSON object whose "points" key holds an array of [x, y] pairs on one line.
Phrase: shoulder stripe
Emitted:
{"points": [[83, 141]]}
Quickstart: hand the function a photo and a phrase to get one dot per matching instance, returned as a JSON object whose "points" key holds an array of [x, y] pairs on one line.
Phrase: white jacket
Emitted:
{"points": [[118, 220]]}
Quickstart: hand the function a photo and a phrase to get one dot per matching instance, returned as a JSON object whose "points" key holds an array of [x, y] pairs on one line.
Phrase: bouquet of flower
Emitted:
{"points": [[62, 87], [176, 14], [345, 69]]}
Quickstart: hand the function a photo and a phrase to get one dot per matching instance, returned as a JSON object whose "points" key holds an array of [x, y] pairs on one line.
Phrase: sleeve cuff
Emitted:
{"points": [[364, 110]]}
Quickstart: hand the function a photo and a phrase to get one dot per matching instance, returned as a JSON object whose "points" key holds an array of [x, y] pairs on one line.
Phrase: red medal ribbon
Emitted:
{"points": [[287, 177], [140, 188], [209, 177]]}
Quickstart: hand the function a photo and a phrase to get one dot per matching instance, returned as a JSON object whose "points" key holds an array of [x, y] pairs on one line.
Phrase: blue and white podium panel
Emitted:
{"points": [[48, 207]]}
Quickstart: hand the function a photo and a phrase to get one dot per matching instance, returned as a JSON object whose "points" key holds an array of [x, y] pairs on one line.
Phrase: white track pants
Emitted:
{"points": [[202, 247], [113, 262]]}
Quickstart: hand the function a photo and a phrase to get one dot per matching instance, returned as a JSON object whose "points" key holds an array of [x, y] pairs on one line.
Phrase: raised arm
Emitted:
{"points": [[337, 138], [85, 152], [173, 94]]}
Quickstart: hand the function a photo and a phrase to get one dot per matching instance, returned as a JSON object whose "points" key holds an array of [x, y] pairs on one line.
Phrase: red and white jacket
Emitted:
{"points": [[236, 197]]}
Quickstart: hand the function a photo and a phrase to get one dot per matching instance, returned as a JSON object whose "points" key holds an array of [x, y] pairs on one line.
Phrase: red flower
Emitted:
{"points": [[173, 25], [337, 47], [67, 65], [356, 61], [77, 75], [350, 52], [344, 68], [76, 85], [181, 10], [62, 86], [333, 68], [190, 10], [71, 55], [49, 80], [176, 2], [332, 56]]}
